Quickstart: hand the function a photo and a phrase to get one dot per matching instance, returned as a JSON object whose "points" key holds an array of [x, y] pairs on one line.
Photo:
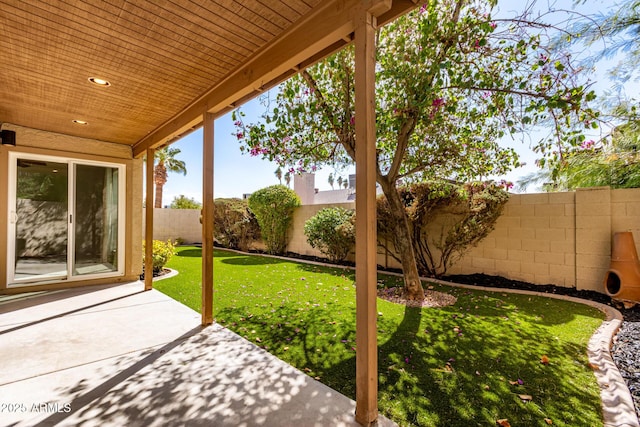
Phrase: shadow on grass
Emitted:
{"points": [[251, 260], [191, 253], [437, 367]]}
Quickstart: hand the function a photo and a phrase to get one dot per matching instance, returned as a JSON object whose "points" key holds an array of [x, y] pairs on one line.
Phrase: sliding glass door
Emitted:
{"points": [[40, 219], [96, 220], [65, 219]]}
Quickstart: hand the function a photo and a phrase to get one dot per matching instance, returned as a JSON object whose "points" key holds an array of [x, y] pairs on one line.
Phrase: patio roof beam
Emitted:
{"points": [[207, 219], [366, 244], [326, 30], [148, 225]]}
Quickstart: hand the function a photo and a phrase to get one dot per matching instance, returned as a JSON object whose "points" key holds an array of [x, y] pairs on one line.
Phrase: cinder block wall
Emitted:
{"points": [[172, 224], [534, 241], [550, 238], [297, 240]]}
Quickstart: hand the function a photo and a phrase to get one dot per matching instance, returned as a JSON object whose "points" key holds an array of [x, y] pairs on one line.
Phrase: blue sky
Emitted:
{"points": [[237, 173]]}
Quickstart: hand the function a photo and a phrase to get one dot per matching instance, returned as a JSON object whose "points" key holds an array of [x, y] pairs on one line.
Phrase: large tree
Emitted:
{"points": [[451, 82], [166, 162]]}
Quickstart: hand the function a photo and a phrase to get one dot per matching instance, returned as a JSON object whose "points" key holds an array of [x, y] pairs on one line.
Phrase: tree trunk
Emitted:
{"points": [[403, 244], [158, 199], [160, 178]]}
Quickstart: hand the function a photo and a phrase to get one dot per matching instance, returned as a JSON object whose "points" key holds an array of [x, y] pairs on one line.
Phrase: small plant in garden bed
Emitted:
{"points": [[162, 253], [489, 356]]}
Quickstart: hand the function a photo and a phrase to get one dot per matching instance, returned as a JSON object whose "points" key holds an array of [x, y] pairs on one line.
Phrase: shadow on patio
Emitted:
{"points": [[113, 355]]}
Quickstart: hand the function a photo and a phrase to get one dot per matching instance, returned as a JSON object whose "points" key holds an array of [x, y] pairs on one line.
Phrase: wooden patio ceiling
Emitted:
{"points": [[168, 62]]}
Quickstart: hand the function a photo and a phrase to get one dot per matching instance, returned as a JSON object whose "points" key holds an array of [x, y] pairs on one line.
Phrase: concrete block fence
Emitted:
{"points": [[548, 238]]}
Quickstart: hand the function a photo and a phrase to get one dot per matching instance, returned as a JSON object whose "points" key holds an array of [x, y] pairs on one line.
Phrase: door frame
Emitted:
{"points": [[71, 188]]}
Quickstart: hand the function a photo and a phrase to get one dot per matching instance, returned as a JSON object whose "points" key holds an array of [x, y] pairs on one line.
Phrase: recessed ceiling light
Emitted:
{"points": [[99, 82], [80, 122]]}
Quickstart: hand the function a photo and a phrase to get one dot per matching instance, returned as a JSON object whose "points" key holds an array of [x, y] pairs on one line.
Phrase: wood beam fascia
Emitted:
{"points": [[148, 225], [321, 33], [366, 244], [207, 219]]}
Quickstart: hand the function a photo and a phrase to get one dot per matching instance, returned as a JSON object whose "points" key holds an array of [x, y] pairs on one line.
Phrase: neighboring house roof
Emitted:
{"points": [[334, 196]]}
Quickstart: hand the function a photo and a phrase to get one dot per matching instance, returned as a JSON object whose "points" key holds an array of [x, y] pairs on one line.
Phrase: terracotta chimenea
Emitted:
{"points": [[622, 281]]}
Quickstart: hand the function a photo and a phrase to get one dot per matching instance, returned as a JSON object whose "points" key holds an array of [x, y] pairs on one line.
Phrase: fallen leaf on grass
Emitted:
{"points": [[544, 359], [503, 423], [594, 367], [525, 397], [548, 421]]}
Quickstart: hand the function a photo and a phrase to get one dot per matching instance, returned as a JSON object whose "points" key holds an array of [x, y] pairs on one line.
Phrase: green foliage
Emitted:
{"points": [[273, 207], [184, 202], [450, 82], [162, 253], [446, 220], [235, 226], [429, 374], [614, 162], [332, 231]]}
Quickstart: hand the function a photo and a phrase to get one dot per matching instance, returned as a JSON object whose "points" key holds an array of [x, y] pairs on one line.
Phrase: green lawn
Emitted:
{"points": [[463, 365]]}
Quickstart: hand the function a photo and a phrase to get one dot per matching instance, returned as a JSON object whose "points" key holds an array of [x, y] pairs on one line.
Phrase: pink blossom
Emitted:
{"points": [[423, 9], [257, 150], [240, 135], [438, 102], [587, 145], [493, 25], [237, 123], [352, 121], [506, 184]]}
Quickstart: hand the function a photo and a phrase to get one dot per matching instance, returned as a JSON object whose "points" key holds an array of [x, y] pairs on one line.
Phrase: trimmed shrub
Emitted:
{"points": [[273, 207], [446, 220], [162, 253], [235, 226], [332, 232]]}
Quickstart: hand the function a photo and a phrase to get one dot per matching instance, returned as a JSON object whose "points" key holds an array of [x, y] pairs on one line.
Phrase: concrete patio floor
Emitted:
{"points": [[116, 355]]}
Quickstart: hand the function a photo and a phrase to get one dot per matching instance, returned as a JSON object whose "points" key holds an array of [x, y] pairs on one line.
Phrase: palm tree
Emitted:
{"points": [[166, 162]]}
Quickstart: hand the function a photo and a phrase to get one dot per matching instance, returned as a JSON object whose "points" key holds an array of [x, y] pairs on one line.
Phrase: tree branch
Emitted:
{"points": [[329, 113]]}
